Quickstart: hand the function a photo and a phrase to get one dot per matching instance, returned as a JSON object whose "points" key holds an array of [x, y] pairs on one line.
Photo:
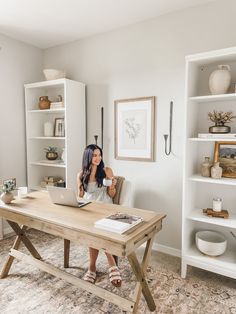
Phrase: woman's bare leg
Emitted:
{"points": [[93, 255], [111, 260]]}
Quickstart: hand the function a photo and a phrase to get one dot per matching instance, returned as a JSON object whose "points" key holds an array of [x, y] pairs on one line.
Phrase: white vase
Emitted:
{"points": [[48, 129], [7, 197], [63, 155], [219, 81]]}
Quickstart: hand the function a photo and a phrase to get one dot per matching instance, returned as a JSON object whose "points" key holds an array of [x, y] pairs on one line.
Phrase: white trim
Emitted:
{"points": [[7, 231], [165, 249]]}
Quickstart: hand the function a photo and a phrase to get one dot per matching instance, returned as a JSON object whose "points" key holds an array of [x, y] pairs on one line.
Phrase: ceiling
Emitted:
{"points": [[48, 23]]}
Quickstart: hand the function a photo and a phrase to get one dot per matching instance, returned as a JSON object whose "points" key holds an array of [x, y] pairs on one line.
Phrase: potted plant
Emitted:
{"points": [[6, 189], [220, 118], [51, 153]]}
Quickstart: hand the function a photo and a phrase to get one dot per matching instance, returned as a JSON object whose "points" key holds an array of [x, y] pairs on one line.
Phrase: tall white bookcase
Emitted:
{"points": [[73, 112], [199, 191]]}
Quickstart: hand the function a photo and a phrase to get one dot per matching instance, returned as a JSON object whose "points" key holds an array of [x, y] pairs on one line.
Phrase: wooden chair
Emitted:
{"points": [[122, 197]]}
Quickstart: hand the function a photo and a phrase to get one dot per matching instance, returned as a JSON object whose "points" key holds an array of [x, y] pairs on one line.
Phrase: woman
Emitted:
{"points": [[90, 186]]}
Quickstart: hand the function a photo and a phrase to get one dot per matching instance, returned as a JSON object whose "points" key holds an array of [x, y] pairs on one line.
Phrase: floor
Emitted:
{"points": [[29, 290]]}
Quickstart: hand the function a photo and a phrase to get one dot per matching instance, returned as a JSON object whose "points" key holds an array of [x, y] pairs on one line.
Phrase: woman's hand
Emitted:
{"points": [[114, 181], [111, 190]]}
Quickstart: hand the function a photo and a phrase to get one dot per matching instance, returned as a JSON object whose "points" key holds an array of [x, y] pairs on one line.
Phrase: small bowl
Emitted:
{"points": [[211, 243], [53, 74]]}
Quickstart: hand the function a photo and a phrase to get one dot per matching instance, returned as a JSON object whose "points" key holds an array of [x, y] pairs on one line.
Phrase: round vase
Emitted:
{"points": [[219, 80], [44, 103], [7, 197], [51, 155], [216, 171]]}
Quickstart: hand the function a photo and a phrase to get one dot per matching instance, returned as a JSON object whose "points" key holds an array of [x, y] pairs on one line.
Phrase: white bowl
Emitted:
{"points": [[53, 74], [211, 243]]}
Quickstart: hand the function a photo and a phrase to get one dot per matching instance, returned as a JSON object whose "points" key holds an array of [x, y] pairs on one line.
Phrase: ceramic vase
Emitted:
{"points": [[219, 80], [216, 171], [48, 129], [44, 103], [7, 197], [63, 155]]}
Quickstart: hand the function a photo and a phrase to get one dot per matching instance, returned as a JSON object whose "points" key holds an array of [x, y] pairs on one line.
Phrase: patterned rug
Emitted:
{"points": [[29, 290]]}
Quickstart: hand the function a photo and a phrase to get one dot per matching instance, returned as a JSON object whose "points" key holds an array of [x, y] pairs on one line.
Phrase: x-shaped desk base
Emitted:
{"points": [[130, 305]]}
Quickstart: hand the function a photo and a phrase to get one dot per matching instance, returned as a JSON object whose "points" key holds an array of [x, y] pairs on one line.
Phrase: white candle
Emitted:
{"points": [[217, 204]]}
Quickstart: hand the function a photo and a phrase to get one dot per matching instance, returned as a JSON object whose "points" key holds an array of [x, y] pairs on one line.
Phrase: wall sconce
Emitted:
{"points": [[170, 132]]}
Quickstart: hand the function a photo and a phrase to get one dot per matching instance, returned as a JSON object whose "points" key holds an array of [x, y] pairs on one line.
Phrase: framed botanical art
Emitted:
{"points": [[134, 128], [225, 154]]}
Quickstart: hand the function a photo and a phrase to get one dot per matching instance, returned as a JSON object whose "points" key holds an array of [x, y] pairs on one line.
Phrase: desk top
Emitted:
{"points": [[39, 208]]}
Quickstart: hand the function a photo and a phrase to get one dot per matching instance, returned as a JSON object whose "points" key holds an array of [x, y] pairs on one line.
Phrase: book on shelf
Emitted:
{"points": [[217, 135], [118, 223]]}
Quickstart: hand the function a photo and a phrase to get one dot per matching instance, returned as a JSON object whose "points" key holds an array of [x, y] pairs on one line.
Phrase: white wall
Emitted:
{"points": [[147, 59], [19, 64]]}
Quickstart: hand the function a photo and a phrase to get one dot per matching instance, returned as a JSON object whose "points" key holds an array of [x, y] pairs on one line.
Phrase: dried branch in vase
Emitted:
{"points": [[220, 117]]}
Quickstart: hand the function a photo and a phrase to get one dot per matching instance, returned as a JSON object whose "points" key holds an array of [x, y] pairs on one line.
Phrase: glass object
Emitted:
{"points": [[206, 167], [217, 204], [216, 171]]}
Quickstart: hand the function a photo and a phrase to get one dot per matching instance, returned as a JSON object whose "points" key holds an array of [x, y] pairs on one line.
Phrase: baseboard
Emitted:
{"points": [[166, 249], [7, 232]]}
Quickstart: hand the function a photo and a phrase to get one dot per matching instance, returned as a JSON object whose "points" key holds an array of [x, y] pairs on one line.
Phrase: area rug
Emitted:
{"points": [[29, 290]]}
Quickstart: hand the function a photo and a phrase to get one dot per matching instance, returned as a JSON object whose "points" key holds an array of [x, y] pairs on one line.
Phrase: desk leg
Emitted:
{"points": [[7, 265], [21, 237], [139, 271]]}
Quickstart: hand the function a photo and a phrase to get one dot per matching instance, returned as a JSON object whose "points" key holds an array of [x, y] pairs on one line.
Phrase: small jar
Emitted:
{"points": [[217, 204], [206, 167]]}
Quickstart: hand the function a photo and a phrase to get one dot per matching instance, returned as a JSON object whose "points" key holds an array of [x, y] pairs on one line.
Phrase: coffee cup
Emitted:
{"points": [[107, 182], [22, 191]]}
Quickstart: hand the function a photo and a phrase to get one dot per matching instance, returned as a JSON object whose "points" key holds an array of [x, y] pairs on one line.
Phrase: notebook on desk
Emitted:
{"points": [[65, 196]]}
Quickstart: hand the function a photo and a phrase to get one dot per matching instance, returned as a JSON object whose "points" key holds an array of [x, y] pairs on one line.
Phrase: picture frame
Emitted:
{"points": [[134, 128], [59, 128], [225, 154]]}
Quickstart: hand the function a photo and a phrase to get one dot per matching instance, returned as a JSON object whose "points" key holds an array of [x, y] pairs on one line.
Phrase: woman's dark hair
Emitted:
{"points": [[87, 166]]}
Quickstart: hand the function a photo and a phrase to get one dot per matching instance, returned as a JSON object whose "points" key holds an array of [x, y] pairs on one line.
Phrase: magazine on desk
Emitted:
{"points": [[118, 223]]}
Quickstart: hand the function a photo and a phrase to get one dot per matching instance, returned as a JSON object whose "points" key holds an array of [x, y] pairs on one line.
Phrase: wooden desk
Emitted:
{"points": [[77, 225]]}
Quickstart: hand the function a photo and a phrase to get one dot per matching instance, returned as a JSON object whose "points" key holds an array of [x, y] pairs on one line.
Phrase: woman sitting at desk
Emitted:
{"points": [[90, 185]]}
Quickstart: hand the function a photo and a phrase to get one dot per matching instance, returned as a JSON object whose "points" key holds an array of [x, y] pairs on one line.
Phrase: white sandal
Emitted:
{"points": [[114, 276], [90, 276]]}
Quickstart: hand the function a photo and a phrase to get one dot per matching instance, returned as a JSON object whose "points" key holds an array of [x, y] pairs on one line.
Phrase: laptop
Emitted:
{"points": [[65, 196]]}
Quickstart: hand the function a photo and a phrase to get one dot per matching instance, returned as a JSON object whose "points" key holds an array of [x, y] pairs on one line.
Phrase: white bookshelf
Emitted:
{"points": [[73, 112], [199, 191]]}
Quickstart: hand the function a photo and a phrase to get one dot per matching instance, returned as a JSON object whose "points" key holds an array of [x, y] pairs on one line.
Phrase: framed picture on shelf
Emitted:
{"points": [[134, 129], [59, 129], [225, 154]]}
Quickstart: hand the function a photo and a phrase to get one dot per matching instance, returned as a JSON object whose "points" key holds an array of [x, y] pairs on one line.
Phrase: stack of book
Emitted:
{"points": [[118, 223], [57, 105], [50, 181]]}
